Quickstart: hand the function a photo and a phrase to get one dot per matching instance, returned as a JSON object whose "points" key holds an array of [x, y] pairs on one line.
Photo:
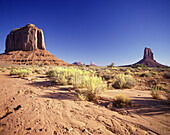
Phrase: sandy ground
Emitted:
{"points": [[41, 108]]}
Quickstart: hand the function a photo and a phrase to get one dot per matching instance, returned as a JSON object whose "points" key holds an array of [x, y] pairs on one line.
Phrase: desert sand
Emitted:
{"points": [[42, 108]]}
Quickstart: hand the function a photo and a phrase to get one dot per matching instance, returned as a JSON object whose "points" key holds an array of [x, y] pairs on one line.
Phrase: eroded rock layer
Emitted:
{"points": [[32, 58]]}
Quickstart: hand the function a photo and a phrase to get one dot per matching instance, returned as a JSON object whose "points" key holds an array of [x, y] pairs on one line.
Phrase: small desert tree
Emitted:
{"points": [[111, 65]]}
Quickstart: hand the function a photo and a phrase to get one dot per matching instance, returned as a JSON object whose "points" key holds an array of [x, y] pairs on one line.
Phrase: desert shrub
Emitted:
{"points": [[20, 72], [122, 69], [128, 72], [111, 65], [154, 73], [94, 86], [107, 71], [136, 73], [107, 77], [79, 78], [139, 66], [109, 84], [146, 74], [166, 75], [3, 69], [64, 76], [41, 64], [160, 86], [39, 71], [121, 101], [83, 96], [52, 73], [79, 81], [114, 68], [13, 71], [155, 93], [124, 81]]}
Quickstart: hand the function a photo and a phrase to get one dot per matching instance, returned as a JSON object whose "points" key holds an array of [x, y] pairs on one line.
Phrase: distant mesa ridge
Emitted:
{"points": [[80, 63], [148, 59], [26, 45]]}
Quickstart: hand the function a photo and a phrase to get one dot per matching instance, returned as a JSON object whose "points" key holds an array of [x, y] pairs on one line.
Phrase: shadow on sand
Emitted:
{"points": [[149, 106], [56, 92], [62, 96], [43, 84], [141, 105]]}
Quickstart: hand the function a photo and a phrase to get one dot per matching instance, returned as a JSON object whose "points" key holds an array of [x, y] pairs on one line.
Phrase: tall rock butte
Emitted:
{"points": [[148, 54], [28, 38], [148, 59], [26, 45]]}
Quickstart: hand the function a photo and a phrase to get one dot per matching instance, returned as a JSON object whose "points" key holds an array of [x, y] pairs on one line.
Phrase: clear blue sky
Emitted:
{"points": [[102, 31]]}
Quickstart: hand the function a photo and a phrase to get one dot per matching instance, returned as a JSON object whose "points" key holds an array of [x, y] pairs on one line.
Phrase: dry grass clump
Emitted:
{"points": [[146, 74], [161, 86], [156, 93], [128, 72], [124, 81], [20, 72], [92, 84], [121, 101], [69, 75], [3, 69], [94, 87], [166, 75]]}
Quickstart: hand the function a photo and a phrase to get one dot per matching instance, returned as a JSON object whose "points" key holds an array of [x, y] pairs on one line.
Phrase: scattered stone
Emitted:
{"points": [[17, 108], [28, 128], [55, 132]]}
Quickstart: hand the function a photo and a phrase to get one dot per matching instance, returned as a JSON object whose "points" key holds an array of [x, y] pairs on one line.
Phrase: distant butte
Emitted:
{"points": [[148, 59], [26, 45]]}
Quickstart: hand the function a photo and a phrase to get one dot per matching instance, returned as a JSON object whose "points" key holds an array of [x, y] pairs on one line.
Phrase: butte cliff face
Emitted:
{"points": [[28, 38], [148, 54], [148, 59], [26, 45]]}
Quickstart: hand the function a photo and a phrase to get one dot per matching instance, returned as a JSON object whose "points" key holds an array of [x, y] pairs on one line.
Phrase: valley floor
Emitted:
{"points": [[39, 107]]}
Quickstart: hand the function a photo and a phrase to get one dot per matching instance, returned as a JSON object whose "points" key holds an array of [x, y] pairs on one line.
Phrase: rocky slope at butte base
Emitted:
{"points": [[31, 58], [26, 45]]}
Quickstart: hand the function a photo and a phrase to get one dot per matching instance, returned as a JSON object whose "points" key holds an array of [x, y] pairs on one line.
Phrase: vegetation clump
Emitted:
{"points": [[121, 101], [146, 74], [138, 65], [128, 72], [167, 75], [111, 65], [20, 72], [124, 81], [155, 93], [92, 84]]}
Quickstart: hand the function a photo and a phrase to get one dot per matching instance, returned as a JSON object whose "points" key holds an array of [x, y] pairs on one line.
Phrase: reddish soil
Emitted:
{"points": [[40, 107]]}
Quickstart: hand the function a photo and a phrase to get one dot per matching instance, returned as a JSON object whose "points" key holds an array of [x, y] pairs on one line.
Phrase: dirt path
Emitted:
{"points": [[38, 107]]}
